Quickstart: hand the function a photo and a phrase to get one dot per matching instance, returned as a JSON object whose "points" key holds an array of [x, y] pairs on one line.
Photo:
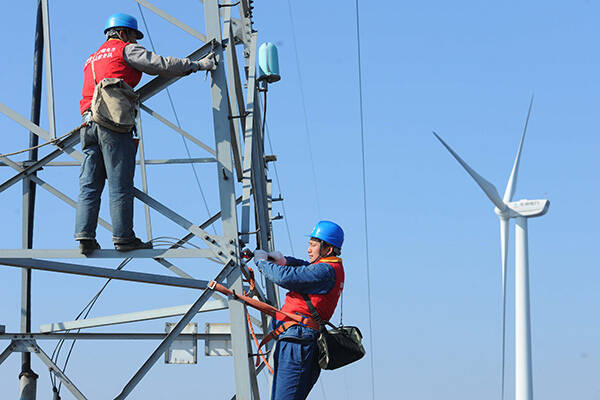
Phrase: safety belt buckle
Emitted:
{"points": [[212, 285]]}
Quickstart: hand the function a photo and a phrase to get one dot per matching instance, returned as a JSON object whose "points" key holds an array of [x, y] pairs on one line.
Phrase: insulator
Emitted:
{"points": [[268, 63]]}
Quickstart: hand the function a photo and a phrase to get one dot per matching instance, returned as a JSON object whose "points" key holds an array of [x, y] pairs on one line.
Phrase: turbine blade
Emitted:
{"points": [[504, 225], [488, 188], [512, 181]]}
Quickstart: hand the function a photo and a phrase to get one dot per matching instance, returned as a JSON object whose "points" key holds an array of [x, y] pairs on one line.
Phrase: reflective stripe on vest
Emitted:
{"points": [[108, 63], [324, 303]]}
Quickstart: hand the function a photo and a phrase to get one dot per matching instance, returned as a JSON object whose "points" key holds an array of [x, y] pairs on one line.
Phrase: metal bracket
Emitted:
{"points": [[278, 216], [229, 5], [249, 233], [244, 115]]}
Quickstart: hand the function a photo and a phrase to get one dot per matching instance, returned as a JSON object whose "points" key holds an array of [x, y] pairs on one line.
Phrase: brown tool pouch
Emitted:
{"points": [[114, 104]]}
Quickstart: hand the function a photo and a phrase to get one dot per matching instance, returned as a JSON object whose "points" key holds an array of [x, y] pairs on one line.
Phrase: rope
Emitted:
{"points": [[364, 182], [53, 141], [258, 350]]}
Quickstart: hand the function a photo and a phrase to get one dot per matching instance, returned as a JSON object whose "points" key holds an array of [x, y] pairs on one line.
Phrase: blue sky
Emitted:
{"points": [[465, 69]]}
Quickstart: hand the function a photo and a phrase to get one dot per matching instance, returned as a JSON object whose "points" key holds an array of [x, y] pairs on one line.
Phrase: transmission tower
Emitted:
{"points": [[240, 165]]}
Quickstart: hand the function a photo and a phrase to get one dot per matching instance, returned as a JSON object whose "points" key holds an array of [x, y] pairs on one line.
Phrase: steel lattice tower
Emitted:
{"points": [[238, 152]]}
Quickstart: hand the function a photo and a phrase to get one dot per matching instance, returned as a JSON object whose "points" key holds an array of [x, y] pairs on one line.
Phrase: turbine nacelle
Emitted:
{"points": [[524, 208]]}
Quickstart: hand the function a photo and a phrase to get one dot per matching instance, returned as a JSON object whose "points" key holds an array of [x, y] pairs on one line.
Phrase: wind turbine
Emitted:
{"points": [[521, 210]]}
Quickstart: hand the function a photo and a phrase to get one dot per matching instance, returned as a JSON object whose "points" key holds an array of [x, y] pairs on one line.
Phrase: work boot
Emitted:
{"points": [[87, 246], [135, 244]]}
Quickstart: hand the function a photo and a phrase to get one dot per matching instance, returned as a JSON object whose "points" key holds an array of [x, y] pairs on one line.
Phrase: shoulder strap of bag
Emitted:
{"points": [[93, 70], [313, 311], [314, 314]]}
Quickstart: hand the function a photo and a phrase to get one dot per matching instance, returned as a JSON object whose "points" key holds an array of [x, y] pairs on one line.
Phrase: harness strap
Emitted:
{"points": [[251, 281], [264, 307], [274, 334], [94, 70], [270, 310]]}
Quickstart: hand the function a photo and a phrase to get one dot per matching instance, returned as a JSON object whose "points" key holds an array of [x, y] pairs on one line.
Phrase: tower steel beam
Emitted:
{"points": [[234, 96], [248, 140], [28, 378], [48, 68], [172, 19], [238, 153], [195, 160], [224, 274], [244, 373], [33, 180], [136, 316], [29, 345], [111, 336], [32, 168], [101, 272]]}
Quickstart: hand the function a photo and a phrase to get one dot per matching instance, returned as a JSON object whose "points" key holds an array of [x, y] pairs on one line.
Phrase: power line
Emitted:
{"points": [[285, 215], [312, 161], [187, 149], [364, 181], [86, 310]]}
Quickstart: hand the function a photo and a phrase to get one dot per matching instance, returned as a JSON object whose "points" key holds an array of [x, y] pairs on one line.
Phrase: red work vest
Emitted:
{"points": [[324, 303], [108, 63]]}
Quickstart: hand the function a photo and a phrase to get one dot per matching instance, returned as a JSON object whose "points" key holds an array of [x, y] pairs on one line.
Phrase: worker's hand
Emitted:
{"points": [[276, 257], [260, 255], [208, 63]]}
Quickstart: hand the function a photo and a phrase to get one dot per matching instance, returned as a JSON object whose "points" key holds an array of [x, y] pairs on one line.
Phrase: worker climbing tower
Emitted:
{"points": [[244, 194]]}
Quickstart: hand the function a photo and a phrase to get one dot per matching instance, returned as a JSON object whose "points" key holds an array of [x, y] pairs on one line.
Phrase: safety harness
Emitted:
{"points": [[313, 322], [269, 310]]}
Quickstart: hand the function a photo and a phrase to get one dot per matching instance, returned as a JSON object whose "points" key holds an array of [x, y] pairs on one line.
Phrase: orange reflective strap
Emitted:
{"points": [[264, 307], [274, 334], [250, 279], [260, 354], [270, 310]]}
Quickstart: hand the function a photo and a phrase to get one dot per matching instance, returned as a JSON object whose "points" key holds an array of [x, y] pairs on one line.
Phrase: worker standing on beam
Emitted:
{"points": [[109, 154], [316, 284]]}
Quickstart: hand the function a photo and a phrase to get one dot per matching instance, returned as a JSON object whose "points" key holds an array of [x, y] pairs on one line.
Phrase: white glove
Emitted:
{"points": [[277, 257], [208, 63], [260, 255]]}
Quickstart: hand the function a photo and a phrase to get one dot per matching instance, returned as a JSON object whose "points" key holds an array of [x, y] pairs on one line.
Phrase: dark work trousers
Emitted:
{"points": [[296, 369], [108, 155]]}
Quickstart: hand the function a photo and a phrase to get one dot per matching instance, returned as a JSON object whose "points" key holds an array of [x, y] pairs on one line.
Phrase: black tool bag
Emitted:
{"points": [[338, 346]]}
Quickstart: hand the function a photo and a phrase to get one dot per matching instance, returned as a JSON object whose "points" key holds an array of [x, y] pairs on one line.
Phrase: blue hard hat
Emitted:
{"points": [[329, 232], [120, 20]]}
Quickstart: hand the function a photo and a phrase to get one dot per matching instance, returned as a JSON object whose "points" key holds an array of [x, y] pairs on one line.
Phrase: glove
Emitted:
{"points": [[260, 255], [276, 257], [208, 63]]}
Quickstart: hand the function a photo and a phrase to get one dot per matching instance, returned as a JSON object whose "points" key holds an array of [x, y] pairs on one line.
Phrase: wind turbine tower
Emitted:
{"points": [[521, 211]]}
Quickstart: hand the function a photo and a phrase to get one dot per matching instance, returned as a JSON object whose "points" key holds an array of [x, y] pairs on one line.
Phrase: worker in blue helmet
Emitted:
{"points": [[110, 155], [314, 287], [123, 21]]}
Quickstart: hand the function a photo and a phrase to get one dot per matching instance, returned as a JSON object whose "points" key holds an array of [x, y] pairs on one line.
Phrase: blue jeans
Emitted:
{"points": [[108, 155], [296, 369]]}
